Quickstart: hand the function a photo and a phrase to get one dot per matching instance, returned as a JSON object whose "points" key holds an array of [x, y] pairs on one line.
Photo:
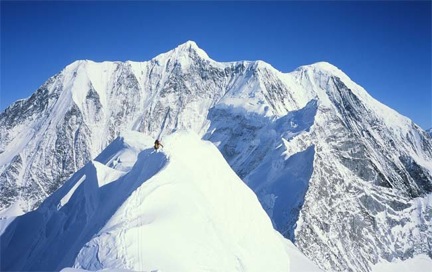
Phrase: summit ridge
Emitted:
{"points": [[326, 160]]}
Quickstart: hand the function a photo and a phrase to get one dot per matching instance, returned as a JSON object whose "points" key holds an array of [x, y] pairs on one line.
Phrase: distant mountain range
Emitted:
{"points": [[344, 177]]}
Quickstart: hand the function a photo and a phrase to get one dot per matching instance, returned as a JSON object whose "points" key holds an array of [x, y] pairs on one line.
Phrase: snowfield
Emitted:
{"points": [[342, 176], [418, 263], [180, 209]]}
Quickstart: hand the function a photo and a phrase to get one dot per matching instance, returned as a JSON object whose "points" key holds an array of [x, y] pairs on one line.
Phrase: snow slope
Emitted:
{"points": [[418, 263], [343, 176], [340, 174], [181, 209]]}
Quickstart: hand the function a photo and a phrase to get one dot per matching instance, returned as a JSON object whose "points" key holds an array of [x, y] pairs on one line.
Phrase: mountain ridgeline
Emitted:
{"points": [[344, 177]]}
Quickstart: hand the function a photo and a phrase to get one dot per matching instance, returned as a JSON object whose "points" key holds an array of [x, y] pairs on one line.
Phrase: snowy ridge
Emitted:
{"points": [[326, 160], [181, 52], [164, 214]]}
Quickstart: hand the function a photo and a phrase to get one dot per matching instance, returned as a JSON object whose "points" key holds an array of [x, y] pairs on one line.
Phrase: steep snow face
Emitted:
{"points": [[256, 147], [137, 209], [189, 218], [76, 113], [365, 195], [342, 165], [336, 170], [50, 237], [372, 170]]}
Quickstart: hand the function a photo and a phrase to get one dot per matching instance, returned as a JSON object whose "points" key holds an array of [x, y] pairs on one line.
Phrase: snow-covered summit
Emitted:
{"points": [[185, 54], [191, 46], [313, 132], [321, 65]]}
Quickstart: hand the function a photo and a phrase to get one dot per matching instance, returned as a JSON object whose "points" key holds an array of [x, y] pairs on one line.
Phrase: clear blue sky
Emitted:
{"points": [[385, 46]]}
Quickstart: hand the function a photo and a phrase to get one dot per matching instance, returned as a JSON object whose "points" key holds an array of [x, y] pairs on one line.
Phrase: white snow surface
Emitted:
{"points": [[307, 142], [8, 215], [418, 263], [180, 209], [188, 218]]}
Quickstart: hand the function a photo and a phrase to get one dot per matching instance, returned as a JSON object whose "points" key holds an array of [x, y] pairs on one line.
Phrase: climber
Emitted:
{"points": [[157, 144]]}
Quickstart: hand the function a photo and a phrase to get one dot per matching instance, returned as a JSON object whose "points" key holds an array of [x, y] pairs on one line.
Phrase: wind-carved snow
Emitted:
{"points": [[258, 146], [189, 218], [164, 214], [69, 194], [312, 132]]}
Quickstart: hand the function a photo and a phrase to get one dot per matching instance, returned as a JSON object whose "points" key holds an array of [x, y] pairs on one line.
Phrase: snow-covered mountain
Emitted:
{"points": [[346, 178], [136, 209]]}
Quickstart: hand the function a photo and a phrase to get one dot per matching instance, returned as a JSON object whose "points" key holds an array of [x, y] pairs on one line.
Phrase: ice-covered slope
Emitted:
{"points": [[182, 209], [76, 113], [342, 175], [342, 165]]}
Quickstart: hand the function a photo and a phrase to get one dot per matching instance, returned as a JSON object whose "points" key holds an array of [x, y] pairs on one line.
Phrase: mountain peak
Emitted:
{"points": [[74, 65], [188, 45], [322, 66], [326, 69], [312, 127], [189, 48]]}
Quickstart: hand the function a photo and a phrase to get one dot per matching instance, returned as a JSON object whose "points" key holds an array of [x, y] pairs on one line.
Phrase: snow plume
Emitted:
{"points": [[134, 208]]}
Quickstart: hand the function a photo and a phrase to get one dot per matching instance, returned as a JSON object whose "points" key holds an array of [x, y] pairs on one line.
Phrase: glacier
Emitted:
{"points": [[344, 177]]}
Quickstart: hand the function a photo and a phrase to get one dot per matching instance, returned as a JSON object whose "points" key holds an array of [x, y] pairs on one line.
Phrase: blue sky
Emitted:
{"points": [[385, 46]]}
